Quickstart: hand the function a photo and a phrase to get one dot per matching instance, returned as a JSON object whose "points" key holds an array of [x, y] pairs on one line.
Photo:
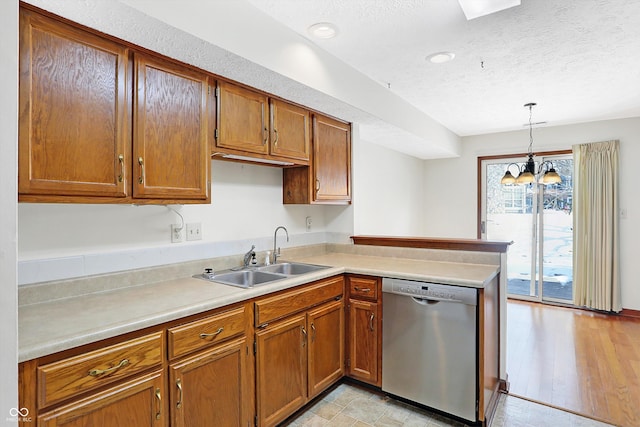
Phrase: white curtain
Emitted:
{"points": [[596, 275]]}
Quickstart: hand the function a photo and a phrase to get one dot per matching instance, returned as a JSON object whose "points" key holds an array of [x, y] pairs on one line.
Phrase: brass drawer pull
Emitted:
{"points": [[98, 372], [141, 177], [179, 385], [121, 160], [159, 402], [362, 289], [203, 335]]}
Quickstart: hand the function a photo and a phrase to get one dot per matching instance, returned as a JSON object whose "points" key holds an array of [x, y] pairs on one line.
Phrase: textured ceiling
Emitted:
{"points": [[578, 59]]}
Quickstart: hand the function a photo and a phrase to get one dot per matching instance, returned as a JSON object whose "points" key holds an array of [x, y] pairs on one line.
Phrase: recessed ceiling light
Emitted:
{"points": [[441, 57], [323, 30]]}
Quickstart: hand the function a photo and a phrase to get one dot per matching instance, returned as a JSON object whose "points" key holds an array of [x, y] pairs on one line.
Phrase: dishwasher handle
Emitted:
{"points": [[435, 300], [426, 301]]}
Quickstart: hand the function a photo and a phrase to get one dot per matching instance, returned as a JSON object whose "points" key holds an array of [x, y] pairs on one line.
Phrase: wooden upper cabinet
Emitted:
{"points": [[254, 126], [171, 131], [331, 159], [242, 119], [290, 130], [74, 136], [328, 179]]}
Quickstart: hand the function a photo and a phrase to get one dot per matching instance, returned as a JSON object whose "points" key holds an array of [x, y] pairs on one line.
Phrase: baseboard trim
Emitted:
{"points": [[630, 313]]}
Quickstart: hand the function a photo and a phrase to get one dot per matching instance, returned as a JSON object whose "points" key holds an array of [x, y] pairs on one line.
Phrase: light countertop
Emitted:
{"points": [[49, 327]]}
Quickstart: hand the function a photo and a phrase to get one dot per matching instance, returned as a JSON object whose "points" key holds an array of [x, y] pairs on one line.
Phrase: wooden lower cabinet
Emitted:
{"points": [[281, 369], [326, 346], [363, 341], [138, 402], [296, 359], [208, 389], [364, 328]]}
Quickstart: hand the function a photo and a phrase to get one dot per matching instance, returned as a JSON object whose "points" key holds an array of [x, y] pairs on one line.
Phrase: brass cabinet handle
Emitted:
{"points": [[304, 333], [203, 335], [159, 404], [266, 136], [362, 289], [373, 315], [317, 185], [121, 160], [179, 385], [313, 334], [98, 372], [275, 132], [141, 163]]}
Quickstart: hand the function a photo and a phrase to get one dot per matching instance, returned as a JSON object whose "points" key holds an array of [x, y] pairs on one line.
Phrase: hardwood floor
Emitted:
{"points": [[582, 361]]}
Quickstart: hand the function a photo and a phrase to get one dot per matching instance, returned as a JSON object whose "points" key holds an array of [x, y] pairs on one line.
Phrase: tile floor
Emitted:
{"points": [[348, 405]]}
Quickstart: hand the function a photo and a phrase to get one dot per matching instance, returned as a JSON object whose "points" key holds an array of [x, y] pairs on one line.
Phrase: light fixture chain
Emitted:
{"points": [[530, 128]]}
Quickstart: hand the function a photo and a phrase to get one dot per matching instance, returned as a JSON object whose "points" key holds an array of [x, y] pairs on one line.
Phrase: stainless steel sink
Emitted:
{"points": [[292, 268], [252, 276]]}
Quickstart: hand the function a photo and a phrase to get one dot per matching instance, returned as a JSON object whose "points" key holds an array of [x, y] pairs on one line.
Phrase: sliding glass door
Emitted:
{"points": [[538, 220]]}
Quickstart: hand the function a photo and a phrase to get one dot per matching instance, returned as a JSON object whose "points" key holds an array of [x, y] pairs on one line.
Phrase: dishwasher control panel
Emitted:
{"points": [[428, 290]]}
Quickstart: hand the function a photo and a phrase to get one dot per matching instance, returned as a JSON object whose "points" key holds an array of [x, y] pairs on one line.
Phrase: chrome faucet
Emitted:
{"points": [[276, 253], [249, 256]]}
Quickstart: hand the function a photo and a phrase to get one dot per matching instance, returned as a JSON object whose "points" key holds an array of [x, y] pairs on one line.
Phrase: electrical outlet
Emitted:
{"points": [[177, 233], [309, 221], [194, 231]]}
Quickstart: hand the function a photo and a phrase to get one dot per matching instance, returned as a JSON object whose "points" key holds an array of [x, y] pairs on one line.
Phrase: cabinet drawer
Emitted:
{"points": [[74, 375], [282, 305], [202, 333], [363, 288]]}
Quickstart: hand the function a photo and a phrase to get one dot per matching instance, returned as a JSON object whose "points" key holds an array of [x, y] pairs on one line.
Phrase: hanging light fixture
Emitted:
{"points": [[527, 173]]}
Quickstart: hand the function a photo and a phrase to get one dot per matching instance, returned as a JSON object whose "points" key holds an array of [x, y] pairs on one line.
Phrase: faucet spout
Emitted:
{"points": [[276, 253], [249, 256]]}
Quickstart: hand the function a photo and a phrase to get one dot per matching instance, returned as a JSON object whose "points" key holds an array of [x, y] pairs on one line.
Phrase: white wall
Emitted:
{"points": [[8, 218], [70, 240], [451, 203], [388, 191]]}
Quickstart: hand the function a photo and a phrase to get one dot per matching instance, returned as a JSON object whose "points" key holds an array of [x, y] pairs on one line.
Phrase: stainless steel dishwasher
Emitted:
{"points": [[429, 345]]}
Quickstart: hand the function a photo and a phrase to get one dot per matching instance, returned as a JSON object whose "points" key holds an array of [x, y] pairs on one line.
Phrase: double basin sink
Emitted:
{"points": [[252, 276]]}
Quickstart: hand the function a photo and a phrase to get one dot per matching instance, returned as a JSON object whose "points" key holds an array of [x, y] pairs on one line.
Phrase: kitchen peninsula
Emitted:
{"points": [[136, 335]]}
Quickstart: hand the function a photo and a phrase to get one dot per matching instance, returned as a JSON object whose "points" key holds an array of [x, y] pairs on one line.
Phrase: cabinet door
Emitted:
{"points": [[242, 119], [363, 341], [290, 130], [326, 346], [331, 160], [281, 369], [208, 388], [74, 136], [171, 131], [138, 402]]}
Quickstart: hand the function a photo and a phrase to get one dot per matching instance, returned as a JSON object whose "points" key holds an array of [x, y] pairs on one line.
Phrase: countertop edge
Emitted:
{"points": [[43, 348]]}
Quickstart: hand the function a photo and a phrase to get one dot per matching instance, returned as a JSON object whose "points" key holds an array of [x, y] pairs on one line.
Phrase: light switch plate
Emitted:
{"points": [[194, 231]]}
